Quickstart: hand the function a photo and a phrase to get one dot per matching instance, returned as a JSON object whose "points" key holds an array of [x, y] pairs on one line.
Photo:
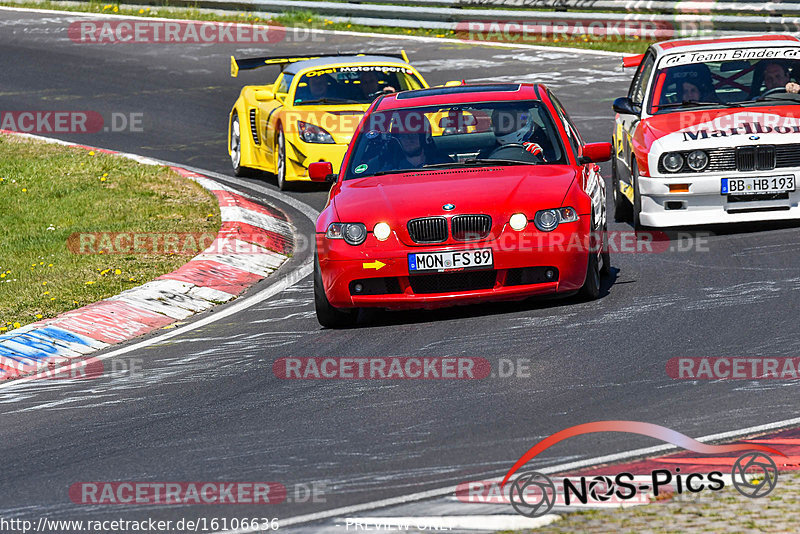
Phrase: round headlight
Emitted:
{"points": [[697, 160], [355, 233], [546, 220], [518, 221], [673, 161], [382, 231]]}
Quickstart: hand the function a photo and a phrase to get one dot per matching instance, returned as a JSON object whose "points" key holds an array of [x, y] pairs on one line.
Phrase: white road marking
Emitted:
{"points": [[254, 218], [450, 522]]}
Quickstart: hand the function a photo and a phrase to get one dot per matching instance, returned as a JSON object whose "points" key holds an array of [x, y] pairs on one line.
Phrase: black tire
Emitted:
{"points": [[591, 287], [637, 197], [605, 270], [622, 207], [236, 148], [280, 167], [327, 315]]}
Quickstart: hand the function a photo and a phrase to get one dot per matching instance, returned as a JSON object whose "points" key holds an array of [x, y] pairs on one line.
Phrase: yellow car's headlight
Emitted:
{"points": [[311, 133]]}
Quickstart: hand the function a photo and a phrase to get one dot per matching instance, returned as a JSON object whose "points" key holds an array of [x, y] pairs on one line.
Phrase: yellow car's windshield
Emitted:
{"points": [[353, 84]]}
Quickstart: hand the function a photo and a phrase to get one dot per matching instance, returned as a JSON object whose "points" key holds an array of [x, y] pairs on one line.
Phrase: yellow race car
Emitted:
{"points": [[311, 111]]}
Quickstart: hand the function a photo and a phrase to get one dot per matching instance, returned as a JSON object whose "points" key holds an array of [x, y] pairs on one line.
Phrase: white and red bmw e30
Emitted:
{"points": [[709, 133]]}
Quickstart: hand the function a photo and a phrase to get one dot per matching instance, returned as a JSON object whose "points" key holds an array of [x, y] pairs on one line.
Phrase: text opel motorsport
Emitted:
{"points": [[459, 195], [710, 133]]}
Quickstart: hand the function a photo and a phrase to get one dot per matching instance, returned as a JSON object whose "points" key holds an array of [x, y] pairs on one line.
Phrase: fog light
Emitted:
{"points": [[358, 288], [382, 231], [549, 274], [518, 221]]}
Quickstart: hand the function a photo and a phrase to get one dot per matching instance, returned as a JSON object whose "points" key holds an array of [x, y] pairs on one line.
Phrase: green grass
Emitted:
{"points": [[308, 19], [50, 192]]}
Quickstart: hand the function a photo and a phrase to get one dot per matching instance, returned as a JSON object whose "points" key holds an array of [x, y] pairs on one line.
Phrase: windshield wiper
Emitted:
{"points": [[687, 103], [488, 161], [327, 100], [466, 163], [395, 171], [781, 97]]}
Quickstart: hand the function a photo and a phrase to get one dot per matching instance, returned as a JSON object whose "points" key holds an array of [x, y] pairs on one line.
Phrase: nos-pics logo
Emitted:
{"points": [[533, 494]]}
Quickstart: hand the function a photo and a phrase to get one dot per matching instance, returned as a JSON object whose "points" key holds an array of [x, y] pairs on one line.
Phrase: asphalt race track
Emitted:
{"points": [[207, 405]]}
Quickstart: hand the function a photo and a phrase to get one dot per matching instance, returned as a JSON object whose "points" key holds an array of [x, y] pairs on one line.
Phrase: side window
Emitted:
{"points": [[641, 79], [284, 83], [574, 137], [408, 82]]}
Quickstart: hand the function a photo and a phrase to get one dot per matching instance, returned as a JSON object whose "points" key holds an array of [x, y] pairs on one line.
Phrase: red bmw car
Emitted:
{"points": [[458, 195]]}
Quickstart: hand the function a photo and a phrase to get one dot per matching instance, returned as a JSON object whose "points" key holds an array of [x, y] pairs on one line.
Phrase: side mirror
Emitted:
{"points": [[596, 153], [626, 106], [264, 95], [320, 171]]}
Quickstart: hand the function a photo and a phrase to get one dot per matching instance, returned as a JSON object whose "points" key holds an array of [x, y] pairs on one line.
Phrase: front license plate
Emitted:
{"points": [[445, 261], [758, 185]]}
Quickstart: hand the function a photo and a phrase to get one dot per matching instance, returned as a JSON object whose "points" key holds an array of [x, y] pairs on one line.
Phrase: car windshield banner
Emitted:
{"points": [[734, 54]]}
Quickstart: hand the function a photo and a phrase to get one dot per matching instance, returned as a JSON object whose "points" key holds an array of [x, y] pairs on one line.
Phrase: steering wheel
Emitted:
{"points": [[515, 151], [387, 90], [773, 91]]}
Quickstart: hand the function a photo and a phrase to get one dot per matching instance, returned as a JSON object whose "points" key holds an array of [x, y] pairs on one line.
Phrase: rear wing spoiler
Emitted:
{"points": [[256, 62]]}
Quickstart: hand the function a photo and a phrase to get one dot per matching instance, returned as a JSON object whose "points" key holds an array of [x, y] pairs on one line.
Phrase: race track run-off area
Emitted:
{"points": [[201, 402]]}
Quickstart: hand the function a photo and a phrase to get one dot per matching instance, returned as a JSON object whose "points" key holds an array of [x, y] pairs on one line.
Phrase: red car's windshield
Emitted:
{"points": [[408, 139]]}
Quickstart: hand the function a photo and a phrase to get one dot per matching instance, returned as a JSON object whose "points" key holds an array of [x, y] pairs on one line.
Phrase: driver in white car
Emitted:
{"points": [[776, 75], [513, 126]]}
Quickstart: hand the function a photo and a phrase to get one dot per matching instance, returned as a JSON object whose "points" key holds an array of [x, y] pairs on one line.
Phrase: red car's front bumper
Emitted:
{"points": [[520, 271]]}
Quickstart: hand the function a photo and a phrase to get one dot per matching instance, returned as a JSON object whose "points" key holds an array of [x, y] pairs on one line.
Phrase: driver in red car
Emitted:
{"points": [[514, 126]]}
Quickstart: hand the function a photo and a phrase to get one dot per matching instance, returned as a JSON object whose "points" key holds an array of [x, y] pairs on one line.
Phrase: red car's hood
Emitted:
{"points": [[496, 191], [707, 128]]}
